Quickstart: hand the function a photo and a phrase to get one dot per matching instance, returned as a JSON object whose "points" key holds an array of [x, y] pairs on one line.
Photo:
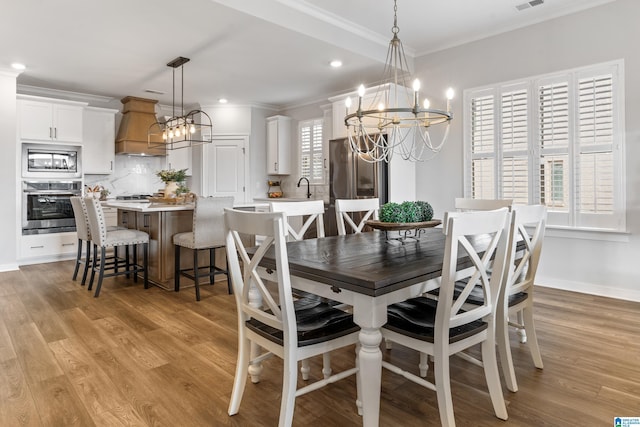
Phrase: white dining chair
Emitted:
{"points": [[369, 209], [469, 204], [291, 330], [516, 298], [295, 214], [441, 328], [312, 210]]}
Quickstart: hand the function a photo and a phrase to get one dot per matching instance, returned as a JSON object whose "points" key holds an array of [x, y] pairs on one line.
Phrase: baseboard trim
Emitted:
{"points": [[589, 288], [9, 267]]}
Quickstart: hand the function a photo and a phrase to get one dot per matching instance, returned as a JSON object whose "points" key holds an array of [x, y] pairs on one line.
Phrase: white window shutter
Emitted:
{"points": [[514, 140], [311, 160], [483, 134]]}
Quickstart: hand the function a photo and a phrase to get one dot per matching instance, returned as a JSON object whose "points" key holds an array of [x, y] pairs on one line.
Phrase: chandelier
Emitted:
{"points": [[180, 130], [393, 121]]}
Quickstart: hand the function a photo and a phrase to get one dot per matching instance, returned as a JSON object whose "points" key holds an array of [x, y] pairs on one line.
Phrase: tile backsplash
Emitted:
{"points": [[132, 175]]}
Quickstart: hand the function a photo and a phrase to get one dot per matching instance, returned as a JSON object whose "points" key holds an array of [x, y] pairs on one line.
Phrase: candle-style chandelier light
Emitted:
{"points": [[393, 121], [181, 130]]}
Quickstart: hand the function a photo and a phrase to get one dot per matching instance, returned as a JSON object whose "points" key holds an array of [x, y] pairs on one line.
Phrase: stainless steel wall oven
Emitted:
{"points": [[46, 206]]}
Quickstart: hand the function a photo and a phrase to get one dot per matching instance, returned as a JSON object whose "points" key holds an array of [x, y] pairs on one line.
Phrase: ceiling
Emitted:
{"points": [[273, 53]]}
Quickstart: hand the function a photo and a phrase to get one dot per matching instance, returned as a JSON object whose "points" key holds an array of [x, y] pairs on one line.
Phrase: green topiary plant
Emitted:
{"points": [[426, 211], [411, 212], [390, 212], [406, 212]]}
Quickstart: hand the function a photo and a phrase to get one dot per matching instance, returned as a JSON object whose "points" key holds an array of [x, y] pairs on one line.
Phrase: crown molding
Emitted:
{"points": [[62, 94]]}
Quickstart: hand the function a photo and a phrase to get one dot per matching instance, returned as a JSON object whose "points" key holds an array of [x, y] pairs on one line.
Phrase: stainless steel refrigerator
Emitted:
{"points": [[350, 177]]}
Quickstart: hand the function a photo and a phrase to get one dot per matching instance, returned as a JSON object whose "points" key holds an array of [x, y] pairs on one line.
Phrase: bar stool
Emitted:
{"points": [[84, 235], [207, 234], [113, 239]]}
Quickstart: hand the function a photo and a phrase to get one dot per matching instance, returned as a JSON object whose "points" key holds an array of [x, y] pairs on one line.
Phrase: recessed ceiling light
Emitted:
{"points": [[18, 66], [336, 63], [223, 100]]}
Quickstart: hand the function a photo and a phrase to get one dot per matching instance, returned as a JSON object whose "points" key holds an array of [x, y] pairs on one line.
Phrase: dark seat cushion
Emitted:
{"points": [[476, 296], [416, 318], [317, 322]]}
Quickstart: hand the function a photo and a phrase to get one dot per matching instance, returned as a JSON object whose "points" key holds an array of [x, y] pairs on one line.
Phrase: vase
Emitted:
{"points": [[170, 189]]}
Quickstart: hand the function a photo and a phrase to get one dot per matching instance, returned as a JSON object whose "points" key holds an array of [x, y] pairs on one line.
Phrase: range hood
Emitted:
{"points": [[138, 114]]}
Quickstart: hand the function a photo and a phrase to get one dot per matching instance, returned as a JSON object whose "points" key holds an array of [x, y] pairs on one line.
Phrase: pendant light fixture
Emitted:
{"points": [[181, 130], [394, 121]]}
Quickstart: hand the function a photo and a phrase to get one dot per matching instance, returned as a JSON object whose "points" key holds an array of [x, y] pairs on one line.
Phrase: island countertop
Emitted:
{"points": [[164, 207]]}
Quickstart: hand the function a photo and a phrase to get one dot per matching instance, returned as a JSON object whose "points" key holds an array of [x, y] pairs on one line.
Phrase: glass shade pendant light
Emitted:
{"points": [[181, 130]]}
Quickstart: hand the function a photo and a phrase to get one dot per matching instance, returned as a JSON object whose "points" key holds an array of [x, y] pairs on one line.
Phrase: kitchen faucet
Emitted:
{"points": [[308, 191]]}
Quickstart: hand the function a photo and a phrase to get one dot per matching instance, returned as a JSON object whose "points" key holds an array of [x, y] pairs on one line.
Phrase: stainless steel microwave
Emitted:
{"points": [[50, 161]]}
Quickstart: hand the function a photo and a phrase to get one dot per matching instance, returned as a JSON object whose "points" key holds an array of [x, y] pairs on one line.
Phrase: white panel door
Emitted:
{"points": [[224, 168]]}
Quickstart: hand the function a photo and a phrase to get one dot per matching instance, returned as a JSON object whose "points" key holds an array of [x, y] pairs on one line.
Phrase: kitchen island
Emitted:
{"points": [[161, 221]]}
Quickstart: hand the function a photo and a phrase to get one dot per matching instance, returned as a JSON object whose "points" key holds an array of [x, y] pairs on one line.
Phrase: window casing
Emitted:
{"points": [[311, 155], [555, 139]]}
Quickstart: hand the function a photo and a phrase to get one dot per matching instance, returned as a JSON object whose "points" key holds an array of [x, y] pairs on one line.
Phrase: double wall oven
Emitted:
{"points": [[51, 175]]}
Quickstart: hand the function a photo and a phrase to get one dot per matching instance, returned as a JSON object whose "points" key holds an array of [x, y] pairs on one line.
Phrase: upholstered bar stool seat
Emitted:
{"points": [[207, 234], [103, 239]]}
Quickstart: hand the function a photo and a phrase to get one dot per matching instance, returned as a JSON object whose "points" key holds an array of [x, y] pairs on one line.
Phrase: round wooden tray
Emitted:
{"points": [[400, 226]]}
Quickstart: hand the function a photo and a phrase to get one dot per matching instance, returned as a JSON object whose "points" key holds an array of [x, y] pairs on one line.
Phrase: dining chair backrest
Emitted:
{"points": [[369, 208], [528, 226], [272, 225], [97, 223], [208, 220], [313, 210], [468, 204], [493, 227], [80, 215]]}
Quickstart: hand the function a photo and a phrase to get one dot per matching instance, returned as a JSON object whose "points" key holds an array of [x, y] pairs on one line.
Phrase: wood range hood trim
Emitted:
{"points": [[138, 114]]}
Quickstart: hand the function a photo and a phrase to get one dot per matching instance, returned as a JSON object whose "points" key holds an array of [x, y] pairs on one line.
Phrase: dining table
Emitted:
{"points": [[369, 272]]}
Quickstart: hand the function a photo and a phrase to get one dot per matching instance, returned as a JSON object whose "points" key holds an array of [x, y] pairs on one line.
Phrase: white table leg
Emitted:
{"points": [[370, 363], [370, 314]]}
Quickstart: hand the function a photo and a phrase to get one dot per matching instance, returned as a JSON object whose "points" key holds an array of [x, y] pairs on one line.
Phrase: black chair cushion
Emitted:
{"points": [[416, 318], [476, 296], [317, 322]]}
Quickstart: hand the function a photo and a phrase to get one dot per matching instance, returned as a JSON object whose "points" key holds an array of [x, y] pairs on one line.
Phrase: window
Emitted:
{"points": [[556, 139], [311, 156]]}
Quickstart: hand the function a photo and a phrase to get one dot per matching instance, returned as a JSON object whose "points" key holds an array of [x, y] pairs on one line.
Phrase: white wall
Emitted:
{"points": [[605, 33], [9, 173]]}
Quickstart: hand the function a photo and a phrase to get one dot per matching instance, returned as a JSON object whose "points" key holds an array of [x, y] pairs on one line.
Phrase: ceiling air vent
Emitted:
{"points": [[529, 4]]}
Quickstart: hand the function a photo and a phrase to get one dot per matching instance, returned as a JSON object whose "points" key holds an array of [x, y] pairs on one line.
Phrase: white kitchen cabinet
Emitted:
{"points": [[50, 121], [99, 134], [180, 159], [48, 246], [278, 145]]}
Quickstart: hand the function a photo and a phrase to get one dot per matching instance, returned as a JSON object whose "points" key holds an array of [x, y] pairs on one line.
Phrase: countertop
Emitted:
{"points": [[283, 199], [164, 207]]}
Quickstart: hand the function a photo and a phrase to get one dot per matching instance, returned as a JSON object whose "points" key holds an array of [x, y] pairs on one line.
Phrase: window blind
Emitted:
{"points": [[311, 159], [555, 139]]}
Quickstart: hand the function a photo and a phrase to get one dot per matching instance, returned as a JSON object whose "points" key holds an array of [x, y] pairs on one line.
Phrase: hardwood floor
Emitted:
{"points": [[156, 358]]}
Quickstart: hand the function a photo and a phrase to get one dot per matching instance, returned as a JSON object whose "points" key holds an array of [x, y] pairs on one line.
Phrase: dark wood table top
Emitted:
{"points": [[368, 264]]}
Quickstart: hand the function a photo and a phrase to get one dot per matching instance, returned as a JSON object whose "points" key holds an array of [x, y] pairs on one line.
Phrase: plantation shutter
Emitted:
{"points": [[554, 143], [595, 140], [555, 139], [514, 138], [482, 114], [311, 159]]}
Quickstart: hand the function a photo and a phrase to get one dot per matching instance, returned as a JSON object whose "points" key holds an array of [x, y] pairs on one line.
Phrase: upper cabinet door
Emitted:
{"points": [[278, 145], [35, 120], [48, 121], [99, 130], [67, 121]]}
